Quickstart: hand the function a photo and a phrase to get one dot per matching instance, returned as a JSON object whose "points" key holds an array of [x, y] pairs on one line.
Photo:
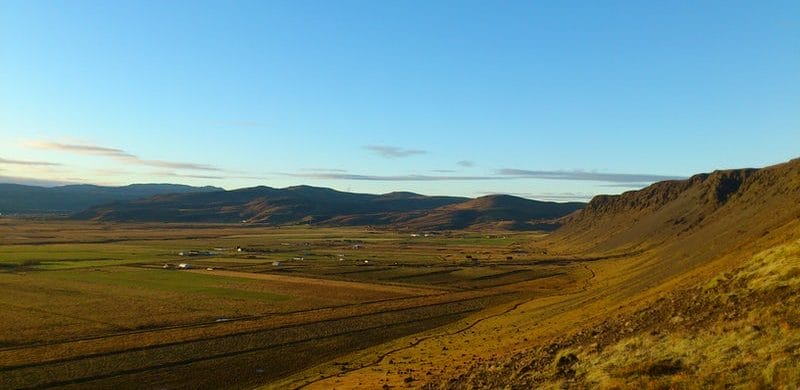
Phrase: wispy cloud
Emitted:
{"points": [[393, 151], [550, 196], [625, 185], [111, 172], [175, 165], [351, 176], [585, 176], [31, 181], [614, 179], [443, 170], [118, 154], [466, 163], [331, 170], [80, 149], [28, 163], [189, 176]]}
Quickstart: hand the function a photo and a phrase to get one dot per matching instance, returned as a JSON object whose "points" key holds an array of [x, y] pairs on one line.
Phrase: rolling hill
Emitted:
{"points": [[694, 220], [499, 211], [25, 199], [323, 206], [694, 285]]}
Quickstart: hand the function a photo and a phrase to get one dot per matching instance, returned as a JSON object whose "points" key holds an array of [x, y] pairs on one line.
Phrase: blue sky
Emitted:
{"points": [[550, 100]]}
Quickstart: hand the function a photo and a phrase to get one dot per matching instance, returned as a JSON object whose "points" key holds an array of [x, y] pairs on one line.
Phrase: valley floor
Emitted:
{"points": [[634, 323], [88, 305]]}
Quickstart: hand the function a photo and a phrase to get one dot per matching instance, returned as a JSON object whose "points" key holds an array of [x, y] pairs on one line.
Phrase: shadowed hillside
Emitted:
{"points": [[304, 204], [23, 199], [301, 204], [502, 211]]}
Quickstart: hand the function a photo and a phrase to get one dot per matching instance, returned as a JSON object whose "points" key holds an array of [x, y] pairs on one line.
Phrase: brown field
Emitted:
{"points": [[88, 305]]}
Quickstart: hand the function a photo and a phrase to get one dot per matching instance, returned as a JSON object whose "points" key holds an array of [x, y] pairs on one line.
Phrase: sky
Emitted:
{"points": [[555, 100]]}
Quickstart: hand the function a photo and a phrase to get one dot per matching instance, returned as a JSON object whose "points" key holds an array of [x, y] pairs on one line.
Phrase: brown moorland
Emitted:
{"points": [[90, 305], [689, 283], [689, 280]]}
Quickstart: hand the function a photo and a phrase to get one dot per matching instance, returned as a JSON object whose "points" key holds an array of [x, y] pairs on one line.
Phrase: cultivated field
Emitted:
{"points": [[89, 305]]}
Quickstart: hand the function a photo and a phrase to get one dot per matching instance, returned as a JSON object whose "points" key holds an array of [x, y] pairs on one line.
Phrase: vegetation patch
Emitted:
{"points": [[741, 329], [187, 283]]}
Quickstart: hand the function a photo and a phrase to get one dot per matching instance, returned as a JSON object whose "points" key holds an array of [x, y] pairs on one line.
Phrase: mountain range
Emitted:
{"points": [[27, 199], [280, 206], [328, 207]]}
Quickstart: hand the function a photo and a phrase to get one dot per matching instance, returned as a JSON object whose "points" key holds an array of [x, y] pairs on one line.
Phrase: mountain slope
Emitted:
{"points": [[506, 211], [24, 199], [695, 284], [727, 204], [304, 204], [262, 205]]}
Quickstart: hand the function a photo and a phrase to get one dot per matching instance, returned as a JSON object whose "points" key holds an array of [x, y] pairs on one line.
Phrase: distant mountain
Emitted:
{"points": [[500, 211], [324, 206], [26, 199]]}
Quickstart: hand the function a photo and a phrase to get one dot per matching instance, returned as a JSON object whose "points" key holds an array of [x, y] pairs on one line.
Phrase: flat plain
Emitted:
{"points": [[91, 305]]}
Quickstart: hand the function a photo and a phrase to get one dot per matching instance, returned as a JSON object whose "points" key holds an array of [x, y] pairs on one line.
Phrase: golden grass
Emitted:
{"points": [[89, 304], [759, 350]]}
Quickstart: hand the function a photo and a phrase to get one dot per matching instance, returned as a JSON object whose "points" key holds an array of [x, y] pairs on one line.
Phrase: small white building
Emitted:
{"points": [[184, 266]]}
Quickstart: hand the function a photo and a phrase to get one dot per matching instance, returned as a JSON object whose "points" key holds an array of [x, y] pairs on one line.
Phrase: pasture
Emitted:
{"points": [[90, 305]]}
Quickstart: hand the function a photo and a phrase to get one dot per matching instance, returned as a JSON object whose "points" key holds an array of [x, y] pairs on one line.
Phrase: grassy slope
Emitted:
{"points": [[741, 328], [639, 247], [706, 290]]}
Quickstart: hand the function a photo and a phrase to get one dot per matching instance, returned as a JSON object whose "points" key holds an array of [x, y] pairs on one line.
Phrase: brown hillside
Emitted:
{"points": [[696, 213], [498, 211], [681, 283], [324, 206], [694, 285]]}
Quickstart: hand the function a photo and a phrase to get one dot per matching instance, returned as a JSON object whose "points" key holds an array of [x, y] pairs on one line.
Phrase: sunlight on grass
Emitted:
{"points": [[175, 281], [760, 350]]}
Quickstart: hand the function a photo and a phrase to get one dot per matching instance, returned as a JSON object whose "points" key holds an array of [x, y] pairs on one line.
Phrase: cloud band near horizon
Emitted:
{"points": [[616, 179], [117, 154], [28, 163], [586, 176]]}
